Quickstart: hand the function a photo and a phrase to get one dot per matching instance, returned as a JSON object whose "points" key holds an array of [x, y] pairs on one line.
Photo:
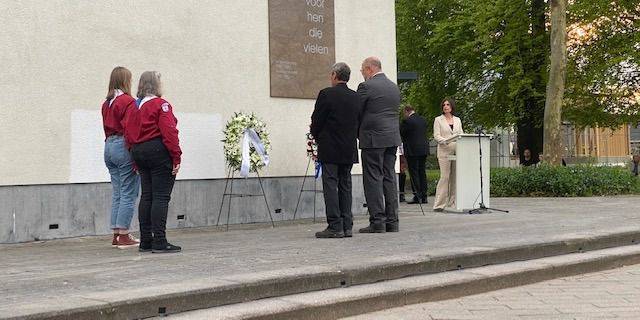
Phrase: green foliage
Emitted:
{"points": [[492, 57], [432, 163], [552, 181], [479, 52], [432, 181], [603, 78]]}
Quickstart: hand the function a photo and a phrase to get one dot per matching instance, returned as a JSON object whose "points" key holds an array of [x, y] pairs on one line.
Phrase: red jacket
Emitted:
{"points": [[155, 119], [114, 115]]}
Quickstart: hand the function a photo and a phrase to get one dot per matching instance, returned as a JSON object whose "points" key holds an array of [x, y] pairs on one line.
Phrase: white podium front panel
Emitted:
{"points": [[467, 164]]}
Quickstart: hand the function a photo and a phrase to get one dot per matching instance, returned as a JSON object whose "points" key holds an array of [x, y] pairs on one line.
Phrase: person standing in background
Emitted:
{"points": [[444, 127], [124, 180], [413, 130], [635, 164], [527, 161], [379, 138], [152, 131]]}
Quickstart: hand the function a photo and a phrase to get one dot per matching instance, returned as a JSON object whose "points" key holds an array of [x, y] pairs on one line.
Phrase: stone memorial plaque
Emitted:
{"points": [[301, 47]]}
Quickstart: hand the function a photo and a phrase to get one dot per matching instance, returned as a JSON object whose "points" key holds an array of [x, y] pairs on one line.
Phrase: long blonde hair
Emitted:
{"points": [[149, 84], [120, 79]]}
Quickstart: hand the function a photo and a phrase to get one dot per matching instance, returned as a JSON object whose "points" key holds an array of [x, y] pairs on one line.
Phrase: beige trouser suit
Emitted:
{"points": [[446, 189]]}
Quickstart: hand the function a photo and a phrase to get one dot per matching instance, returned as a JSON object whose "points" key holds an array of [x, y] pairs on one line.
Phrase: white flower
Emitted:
{"points": [[312, 147]]}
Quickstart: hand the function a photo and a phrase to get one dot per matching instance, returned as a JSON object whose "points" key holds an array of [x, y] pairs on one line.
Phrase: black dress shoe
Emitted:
{"points": [[373, 229], [402, 198], [328, 233], [425, 200], [348, 233], [144, 246], [165, 248], [392, 227]]}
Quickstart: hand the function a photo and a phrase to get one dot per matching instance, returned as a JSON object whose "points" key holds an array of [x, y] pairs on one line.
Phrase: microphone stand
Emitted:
{"points": [[482, 208]]}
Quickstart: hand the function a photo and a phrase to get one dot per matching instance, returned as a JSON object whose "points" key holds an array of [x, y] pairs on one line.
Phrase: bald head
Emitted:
{"points": [[370, 66], [373, 62]]}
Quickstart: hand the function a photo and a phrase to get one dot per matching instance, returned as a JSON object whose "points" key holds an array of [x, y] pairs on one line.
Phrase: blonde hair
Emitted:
{"points": [[150, 84], [120, 79]]}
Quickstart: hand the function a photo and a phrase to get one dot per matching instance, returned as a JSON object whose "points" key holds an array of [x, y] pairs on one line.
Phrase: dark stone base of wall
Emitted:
{"points": [[42, 212]]}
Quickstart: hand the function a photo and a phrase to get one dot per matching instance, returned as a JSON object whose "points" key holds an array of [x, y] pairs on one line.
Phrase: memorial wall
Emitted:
{"points": [[301, 46], [216, 57]]}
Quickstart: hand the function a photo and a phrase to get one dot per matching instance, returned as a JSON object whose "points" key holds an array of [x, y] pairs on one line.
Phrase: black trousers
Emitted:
{"points": [[380, 186], [417, 171], [336, 186], [155, 166]]}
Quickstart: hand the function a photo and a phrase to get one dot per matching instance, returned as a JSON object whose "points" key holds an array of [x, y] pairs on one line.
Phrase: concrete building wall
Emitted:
{"points": [[214, 60]]}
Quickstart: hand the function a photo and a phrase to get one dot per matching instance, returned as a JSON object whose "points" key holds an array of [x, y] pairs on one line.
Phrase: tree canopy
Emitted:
{"points": [[603, 76], [492, 56]]}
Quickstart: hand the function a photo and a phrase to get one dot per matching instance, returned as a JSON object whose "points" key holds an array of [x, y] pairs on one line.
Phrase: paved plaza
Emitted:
{"points": [[47, 276]]}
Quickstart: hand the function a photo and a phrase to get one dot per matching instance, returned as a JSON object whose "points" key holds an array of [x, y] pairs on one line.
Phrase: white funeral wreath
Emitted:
{"points": [[233, 135]]}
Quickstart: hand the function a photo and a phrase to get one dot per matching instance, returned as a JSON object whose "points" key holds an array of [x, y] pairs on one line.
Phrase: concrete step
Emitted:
{"points": [[366, 298], [171, 298]]}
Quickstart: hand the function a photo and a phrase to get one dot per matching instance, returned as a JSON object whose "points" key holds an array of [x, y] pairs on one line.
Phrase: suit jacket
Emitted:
{"points": [[379, 123], [413, 131], [334, 124], [442, 131]]}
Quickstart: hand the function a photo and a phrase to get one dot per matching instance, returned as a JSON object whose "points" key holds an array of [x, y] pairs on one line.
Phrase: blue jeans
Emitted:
{"points": [[124, 180]]}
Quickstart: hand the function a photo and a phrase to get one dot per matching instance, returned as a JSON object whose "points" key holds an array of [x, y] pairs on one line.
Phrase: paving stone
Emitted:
{"points": [[563, 299]]}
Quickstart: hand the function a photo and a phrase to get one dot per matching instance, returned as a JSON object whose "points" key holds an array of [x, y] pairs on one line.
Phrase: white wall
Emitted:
{"points": [[213, 56]]}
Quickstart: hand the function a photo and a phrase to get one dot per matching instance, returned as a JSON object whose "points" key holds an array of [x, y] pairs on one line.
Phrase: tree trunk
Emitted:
{"points": [[555, 85]]}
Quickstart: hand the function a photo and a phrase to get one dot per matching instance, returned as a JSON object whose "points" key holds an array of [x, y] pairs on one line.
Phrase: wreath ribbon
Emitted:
{"points": [[318, 169], [251, 138]]}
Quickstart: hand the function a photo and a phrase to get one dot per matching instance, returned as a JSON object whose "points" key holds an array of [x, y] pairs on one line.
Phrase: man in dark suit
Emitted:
{"points": [[334, 124], [413, 131], [379, 137]]}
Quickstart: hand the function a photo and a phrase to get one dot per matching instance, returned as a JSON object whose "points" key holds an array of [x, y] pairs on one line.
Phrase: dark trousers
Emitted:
{"points": [[155, 166], [417, 171], [336, 187], [380, 186]]}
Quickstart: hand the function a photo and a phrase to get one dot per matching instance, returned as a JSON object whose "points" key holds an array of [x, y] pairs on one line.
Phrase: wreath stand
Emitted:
{"points": [[229, 186], [315, 192]]}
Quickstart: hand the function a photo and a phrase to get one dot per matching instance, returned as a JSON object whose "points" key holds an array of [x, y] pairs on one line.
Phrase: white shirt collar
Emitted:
{"points": [[117, 93], [145, 99]]}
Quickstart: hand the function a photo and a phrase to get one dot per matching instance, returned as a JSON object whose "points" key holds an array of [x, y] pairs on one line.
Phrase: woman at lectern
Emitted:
{"points": [[444, 127]]}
